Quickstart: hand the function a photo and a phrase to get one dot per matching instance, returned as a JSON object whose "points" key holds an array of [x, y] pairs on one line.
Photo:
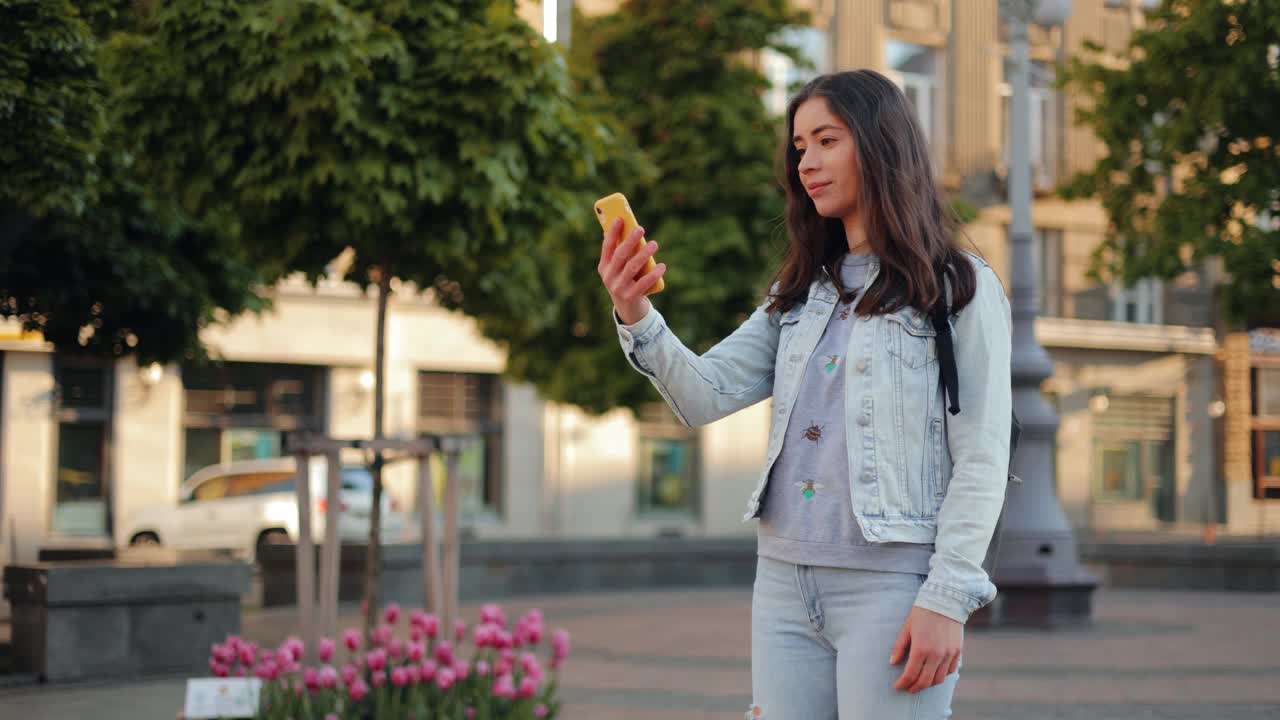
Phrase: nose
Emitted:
{"points": [[809, 162]]}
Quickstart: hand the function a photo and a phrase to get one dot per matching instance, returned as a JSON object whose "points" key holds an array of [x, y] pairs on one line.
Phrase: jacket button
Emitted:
{"points": [[862, 365], [864, 420], [795, 357]]}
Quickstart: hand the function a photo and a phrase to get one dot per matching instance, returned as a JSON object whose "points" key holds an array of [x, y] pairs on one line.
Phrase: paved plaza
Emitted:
{"points": [[685, 655]]}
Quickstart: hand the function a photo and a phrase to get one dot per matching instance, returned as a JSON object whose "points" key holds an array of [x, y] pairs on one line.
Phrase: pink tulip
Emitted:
{"points": [[431, 625], [416, 617], [461, 669], [416, 652], [540, 710], [242, 671], [267, 671], [295, 646], [560, 643], [248, 652], [492, 612], [399, 677], [224, 654], [396, 648], [534, 634], [331, 716], [504, 639], [471, 712], [416, 635], [415, 673], [444, 678], [528, 662], [444, 652], [429, 667], [351, 638], [325, 649], [349, 673], [284, 656], [391, 613], [481, 635], [504, 687], [459, 630], [379, 679], [328, 677], [311, 679], [376, 659], [528, 688], [482, 668], [502, 667], [358, 690], [220, 670], [382, 635]]}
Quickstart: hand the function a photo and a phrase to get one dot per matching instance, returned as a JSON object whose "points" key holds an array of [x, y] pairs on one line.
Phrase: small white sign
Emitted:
{"points": [[222, 698]]}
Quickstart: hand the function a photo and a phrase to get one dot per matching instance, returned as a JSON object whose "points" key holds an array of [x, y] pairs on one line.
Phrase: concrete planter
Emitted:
{"points": [[97, 619]]}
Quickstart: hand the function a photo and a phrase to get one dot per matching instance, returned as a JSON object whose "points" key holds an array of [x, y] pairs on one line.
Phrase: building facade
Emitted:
{"points": [[1165, 422]]}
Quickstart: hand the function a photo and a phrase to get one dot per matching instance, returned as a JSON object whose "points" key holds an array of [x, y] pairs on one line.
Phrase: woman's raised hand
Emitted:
{"points": [[619, 263]]}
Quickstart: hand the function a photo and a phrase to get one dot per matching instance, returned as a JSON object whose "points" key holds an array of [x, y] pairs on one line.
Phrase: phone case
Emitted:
{"points": [[615, 206]]}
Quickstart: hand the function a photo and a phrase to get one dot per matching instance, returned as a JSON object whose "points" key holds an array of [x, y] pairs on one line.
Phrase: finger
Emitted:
{"points": [[911, 673], [606, 249], [611, 237], [626, 249], [944, 669], [924, 680], [955, 665], [900, 645], [651, 278], [637, 261]]}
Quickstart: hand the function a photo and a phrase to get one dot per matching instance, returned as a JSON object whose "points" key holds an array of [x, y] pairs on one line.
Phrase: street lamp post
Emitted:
{"points": [[1037, 570]]}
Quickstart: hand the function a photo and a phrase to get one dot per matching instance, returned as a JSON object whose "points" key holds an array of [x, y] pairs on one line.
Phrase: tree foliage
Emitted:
{"points": [[87, 256], [1192, 163], [677, 80]]}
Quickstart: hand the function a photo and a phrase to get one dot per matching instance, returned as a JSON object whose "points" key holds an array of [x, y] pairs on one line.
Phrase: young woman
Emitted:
{"points": [[880, 491]]}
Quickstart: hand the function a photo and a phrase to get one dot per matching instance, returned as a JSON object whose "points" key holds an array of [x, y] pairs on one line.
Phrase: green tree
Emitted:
{"points": [[675, 78], [438, 140], [1191, 169], [87, 258]]}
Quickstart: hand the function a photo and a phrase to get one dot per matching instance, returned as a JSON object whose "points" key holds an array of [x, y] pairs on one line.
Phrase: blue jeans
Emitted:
{"points": [[820, 644]]}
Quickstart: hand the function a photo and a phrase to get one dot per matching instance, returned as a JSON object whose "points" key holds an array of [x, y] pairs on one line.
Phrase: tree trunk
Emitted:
{"points": [[373, 559]]}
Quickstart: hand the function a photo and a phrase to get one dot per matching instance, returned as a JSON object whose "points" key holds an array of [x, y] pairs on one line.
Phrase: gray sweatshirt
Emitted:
{"points": [[807, 515]]}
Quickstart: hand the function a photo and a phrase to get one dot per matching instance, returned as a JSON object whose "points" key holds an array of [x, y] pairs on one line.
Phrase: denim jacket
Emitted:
{"points": [[921, 475]]}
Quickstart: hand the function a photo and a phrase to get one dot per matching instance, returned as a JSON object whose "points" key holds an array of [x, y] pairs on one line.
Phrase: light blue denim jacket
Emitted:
{"points": [[921, 474]]}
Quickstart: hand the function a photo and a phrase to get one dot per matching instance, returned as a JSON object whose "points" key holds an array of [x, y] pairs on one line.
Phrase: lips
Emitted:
{"points": [[816, 187]]}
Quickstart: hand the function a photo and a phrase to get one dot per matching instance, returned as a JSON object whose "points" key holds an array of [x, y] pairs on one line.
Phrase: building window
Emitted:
{"points": [[1043, 125], [668, 463], [1142, 302], [81, 504], [469, 406], [242, 411], [1265, 387], [914, 68], [1134, 451], [784, 74], [1049, 261]]}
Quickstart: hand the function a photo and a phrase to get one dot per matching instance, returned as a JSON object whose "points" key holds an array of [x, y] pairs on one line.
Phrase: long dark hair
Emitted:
{"points": [[909, 225]]}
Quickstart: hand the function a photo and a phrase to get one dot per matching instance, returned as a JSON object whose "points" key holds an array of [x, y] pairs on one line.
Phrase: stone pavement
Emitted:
{"points": [[685, 655]]}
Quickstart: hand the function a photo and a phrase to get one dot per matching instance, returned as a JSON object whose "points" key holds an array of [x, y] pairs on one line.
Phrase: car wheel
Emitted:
{"points": [[145, 539]]}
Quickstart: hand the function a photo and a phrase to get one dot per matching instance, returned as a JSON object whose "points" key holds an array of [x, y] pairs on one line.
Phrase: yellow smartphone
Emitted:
{"points": [[612, 207]]}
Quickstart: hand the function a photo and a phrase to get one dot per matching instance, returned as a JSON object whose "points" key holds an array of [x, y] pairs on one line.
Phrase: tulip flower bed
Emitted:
{"points": [[414, 679]]}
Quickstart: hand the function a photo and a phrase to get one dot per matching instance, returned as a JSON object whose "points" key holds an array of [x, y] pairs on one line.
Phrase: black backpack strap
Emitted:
{"points": [[946, 345]]}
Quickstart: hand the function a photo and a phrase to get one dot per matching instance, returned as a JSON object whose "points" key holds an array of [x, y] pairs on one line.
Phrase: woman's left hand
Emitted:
{"points": [[934, 643]]}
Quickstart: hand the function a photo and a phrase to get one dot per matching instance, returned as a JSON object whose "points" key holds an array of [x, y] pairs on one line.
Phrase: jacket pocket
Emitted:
{"points": [[937, 485], [909, 337]]}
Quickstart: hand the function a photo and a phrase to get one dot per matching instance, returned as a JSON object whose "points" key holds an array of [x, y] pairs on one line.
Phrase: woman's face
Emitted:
{"points": [[828, 163]]}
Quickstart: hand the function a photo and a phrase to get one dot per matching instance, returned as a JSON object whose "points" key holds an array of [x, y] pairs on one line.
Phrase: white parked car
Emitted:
{"points": [[244, 504]]}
